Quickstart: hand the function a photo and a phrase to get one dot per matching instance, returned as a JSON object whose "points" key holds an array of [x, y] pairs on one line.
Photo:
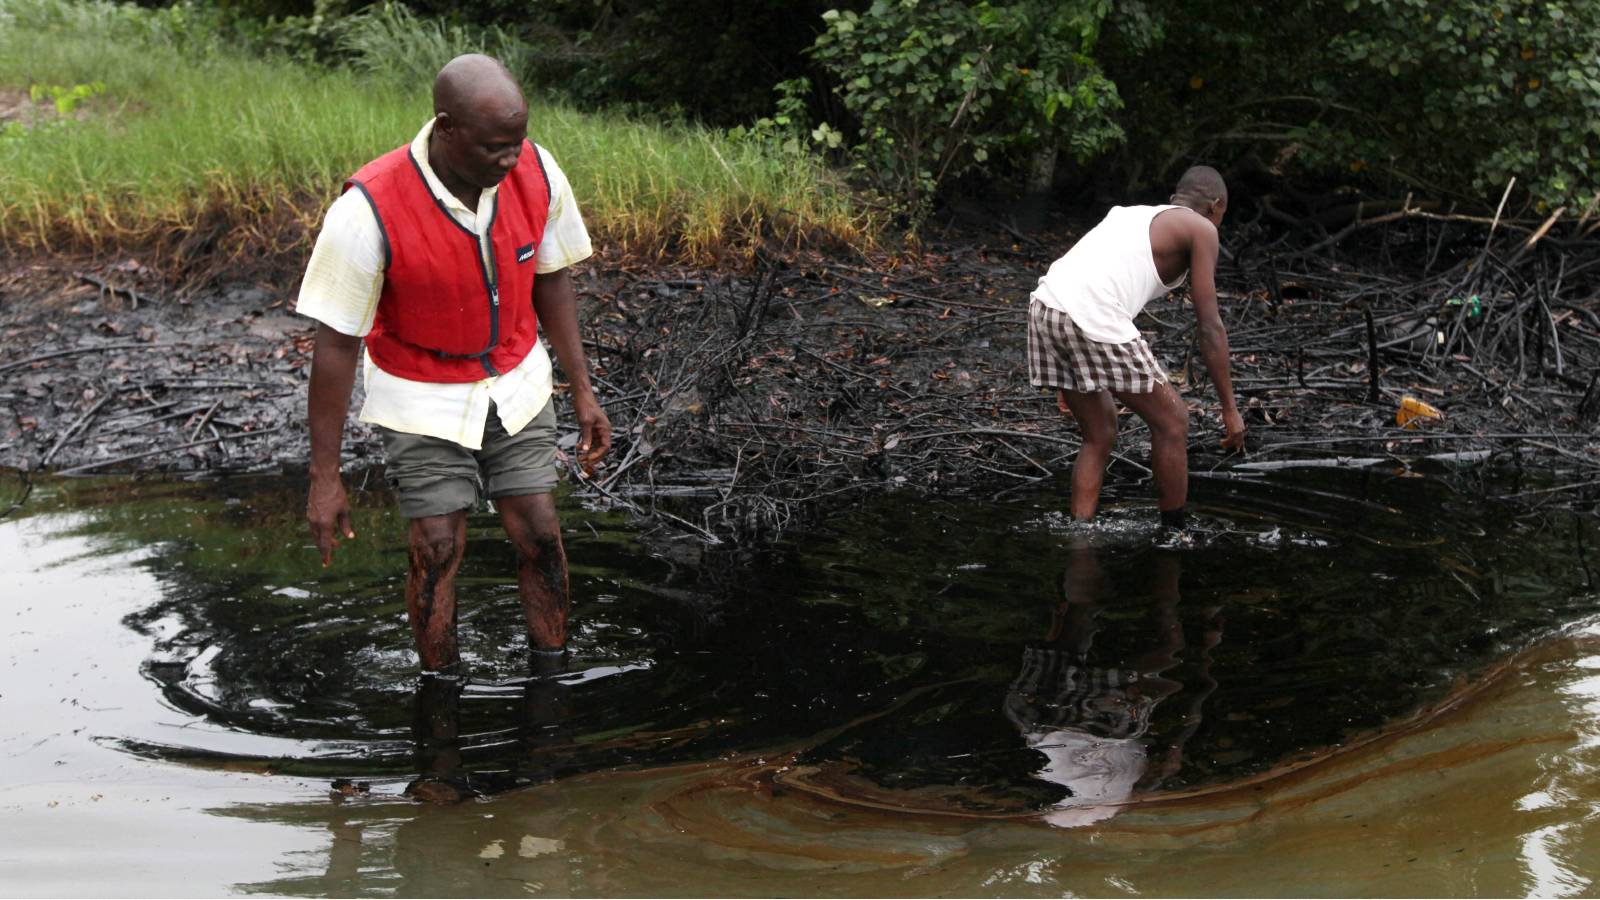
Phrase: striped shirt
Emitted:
{"points": [[344, 280]]}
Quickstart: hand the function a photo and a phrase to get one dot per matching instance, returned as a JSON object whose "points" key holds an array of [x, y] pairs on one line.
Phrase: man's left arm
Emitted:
{"points": [[556, 304], [1213, 335]]}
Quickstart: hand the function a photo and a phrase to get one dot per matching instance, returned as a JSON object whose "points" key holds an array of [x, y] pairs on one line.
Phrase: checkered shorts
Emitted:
{"points": [[1061, 356]]}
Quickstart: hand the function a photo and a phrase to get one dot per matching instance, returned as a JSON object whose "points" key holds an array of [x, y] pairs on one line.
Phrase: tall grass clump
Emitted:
{"points": [[391, 43], [222, 156]]}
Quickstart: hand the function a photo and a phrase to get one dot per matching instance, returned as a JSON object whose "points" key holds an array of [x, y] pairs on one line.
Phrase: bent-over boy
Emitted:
{"points": [[1082, 340]]}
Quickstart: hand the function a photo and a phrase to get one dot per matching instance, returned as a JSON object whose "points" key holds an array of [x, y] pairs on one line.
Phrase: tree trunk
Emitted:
{"points": [[1042, 169]]}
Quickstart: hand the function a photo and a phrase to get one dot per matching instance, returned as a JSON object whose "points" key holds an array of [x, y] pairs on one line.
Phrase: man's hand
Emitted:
{"points": [[1234, 423], [328, 511], [557, 307], [333, 372], [594, 431]]}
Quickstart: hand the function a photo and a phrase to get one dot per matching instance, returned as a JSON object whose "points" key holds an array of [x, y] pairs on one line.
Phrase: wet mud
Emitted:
{"points": [[746, 402]]}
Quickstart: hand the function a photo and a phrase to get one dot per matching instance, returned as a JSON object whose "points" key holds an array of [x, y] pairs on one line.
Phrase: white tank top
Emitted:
{"points": [[1108, 276]]}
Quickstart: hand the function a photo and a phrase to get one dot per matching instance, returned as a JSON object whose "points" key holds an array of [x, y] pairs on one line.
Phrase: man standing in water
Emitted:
{"points": [[1082, 341], [448, 256]]}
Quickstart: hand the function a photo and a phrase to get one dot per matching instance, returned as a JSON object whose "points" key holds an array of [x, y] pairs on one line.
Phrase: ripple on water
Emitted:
{"points": [[946, 656], [1492, 796]]}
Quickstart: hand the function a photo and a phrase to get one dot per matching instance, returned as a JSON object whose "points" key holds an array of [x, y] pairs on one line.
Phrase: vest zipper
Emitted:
{"points": [[482, 244], [491, 280]]}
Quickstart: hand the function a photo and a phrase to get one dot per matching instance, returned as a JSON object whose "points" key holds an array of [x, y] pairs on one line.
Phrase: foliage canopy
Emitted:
{"points": [[1447, 98], [938, 87], [1450, 98]]}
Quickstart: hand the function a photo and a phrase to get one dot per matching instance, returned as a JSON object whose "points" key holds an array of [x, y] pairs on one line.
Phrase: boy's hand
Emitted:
{"points": [[1061, 402], [1234, 423]]}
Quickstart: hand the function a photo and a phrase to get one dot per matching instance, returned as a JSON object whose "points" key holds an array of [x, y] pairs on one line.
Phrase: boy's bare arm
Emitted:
{"points": [[1213, 335]]}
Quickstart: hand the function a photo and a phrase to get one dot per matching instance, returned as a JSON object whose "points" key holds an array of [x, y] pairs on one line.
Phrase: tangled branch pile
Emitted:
{"points": [[745, 402], [811, 380]]}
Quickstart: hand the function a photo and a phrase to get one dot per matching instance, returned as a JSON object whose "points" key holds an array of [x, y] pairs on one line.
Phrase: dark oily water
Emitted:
{"points": [[673, 656], [1074, 669], [955, 657]]}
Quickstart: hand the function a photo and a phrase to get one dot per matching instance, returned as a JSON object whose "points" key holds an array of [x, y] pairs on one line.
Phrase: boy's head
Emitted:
{"points": [[1203, 190]]}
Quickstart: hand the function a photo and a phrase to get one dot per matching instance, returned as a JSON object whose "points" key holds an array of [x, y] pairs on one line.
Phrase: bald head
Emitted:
{"points": [[480, 123], [1200, 185], [1203, 190], [475, 88]]}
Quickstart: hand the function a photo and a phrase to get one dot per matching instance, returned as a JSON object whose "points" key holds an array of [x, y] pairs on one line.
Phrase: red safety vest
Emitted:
{"points": [[441, 317]]}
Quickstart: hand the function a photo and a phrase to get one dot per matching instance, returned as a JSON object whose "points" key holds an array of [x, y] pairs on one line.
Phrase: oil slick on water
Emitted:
{"points": [[914, 687]]}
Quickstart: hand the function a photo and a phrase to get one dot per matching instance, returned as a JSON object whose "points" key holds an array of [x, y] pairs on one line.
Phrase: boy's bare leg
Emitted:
{"points": [[1164, 411], [1097, 418]]}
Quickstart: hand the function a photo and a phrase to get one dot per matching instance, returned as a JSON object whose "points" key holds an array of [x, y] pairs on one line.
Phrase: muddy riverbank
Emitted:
{"points": [[744, 399]]}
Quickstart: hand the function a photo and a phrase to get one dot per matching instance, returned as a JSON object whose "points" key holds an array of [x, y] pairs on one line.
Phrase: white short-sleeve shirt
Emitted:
{"points": [[344, 279]]}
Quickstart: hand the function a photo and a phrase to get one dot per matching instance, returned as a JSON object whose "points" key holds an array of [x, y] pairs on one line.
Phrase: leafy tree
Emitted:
{"points": [[1445, 97], [1473, 90], [939, 87]]}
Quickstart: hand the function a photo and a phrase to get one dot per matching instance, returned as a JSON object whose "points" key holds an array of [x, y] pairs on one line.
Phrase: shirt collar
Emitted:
{"points": [[419, 153]]}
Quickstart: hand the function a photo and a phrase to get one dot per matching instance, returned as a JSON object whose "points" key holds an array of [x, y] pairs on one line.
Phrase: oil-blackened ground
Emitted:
{"points": [[742, 398]]}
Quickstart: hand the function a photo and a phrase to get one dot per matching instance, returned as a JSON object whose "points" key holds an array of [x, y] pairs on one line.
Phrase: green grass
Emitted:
{"points": [[193, 136]]}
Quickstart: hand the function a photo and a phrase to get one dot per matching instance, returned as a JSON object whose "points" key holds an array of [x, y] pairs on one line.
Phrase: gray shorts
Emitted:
{"points": [[434, 476]]}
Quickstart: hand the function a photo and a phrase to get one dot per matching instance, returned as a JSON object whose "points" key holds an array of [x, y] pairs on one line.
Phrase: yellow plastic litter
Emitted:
{"points": [[1413, 410]]}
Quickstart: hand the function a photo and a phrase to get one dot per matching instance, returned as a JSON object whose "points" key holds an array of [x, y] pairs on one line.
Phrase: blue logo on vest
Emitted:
{"points": [[524, 253]]}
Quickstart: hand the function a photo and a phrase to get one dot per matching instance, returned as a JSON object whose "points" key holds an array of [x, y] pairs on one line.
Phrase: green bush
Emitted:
{"points": [[1474, 91], [939, 87], [1448, 98]]}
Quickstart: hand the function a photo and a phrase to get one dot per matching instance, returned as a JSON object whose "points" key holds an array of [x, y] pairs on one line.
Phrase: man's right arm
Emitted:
{"points": [[343, 280], [333, 375]]}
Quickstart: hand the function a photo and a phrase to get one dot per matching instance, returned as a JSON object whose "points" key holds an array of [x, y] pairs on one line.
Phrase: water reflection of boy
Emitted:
{"points": [[1091, 721]]}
